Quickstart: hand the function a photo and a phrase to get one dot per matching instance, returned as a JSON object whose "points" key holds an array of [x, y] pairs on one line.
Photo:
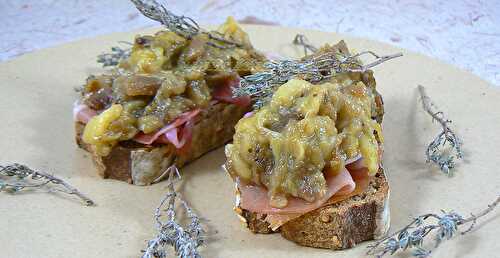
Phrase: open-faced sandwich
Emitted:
{"points": [[168, 103], [308, 163]]}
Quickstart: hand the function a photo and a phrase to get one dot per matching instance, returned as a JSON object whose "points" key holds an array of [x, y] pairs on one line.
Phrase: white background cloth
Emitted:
{"points": [[465, 33]]}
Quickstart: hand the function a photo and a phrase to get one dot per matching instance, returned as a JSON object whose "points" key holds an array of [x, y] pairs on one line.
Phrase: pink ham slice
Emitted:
{"points": [[180, 137], [168, 134], [224, 93], [248, 114], [173, 137], [165, 131], [362, 181], [255, 198], [357, 169], [83, 113], [187, 136]]}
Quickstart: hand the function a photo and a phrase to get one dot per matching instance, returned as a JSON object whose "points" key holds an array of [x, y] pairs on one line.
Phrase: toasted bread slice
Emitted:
{"points": [[144, 164], [341, 225]]}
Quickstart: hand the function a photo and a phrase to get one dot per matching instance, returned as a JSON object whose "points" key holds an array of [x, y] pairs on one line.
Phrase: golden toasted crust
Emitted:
{"points": [[142, 165]]}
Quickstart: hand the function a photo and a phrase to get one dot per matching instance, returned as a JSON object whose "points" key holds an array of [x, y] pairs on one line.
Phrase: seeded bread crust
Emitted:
{"points": [[144, 164]]}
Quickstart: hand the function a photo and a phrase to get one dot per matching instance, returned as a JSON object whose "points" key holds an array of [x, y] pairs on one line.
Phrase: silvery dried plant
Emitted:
{"points": [[24, 177], [116, 55], [446, 146], [314, 68], [301, 40], [183, 26], [184, 240], [411, 237]]}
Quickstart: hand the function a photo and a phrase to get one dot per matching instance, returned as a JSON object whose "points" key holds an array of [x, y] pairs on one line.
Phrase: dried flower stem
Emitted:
{"points": [[184, 241], [434, 150], [412, 235], [378, 60], [24, 174], [181, 25], [315, 68], [301, 40], [117, 54]]}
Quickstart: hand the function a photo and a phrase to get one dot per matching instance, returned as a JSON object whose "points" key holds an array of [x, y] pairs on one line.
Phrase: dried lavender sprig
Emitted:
{"points": [[181, 25], [260, 86], [113, 59], [301, 40], [446, 137], [25, 177], [184, 241], [412, 236]]}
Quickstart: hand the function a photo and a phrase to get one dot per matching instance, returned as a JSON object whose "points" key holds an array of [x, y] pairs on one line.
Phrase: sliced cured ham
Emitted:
{"points": [[182, 119], [173, 137], [179, 132], [180, 136], [248, 114], [224, 93], [256, 199], [362, 181], [357, 169], [352, 180], [83, 113], [187, 137]]}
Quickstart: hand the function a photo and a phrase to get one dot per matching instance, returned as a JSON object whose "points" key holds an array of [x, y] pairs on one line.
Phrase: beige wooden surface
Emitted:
{"points": [[37, 129]]}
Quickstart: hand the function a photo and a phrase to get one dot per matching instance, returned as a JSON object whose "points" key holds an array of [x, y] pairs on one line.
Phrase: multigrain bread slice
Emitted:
{"points": [[144, 164], [340, 225]]}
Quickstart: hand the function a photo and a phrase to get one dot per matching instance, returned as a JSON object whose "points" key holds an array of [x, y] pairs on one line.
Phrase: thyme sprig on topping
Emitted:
{"points": [[301, 40], [314, 68], [185, 241], [181, 25], [25, 177], [116, 55], [446, 146], [412, 236]]}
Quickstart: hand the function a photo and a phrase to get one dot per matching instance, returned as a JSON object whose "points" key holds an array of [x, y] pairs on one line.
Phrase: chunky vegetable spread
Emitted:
{"points": [[304, 136], [165, 76]]}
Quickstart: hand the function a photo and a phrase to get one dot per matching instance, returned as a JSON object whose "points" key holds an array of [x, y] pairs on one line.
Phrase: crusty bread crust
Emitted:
{"points": [[336, 226], [144, 164]]}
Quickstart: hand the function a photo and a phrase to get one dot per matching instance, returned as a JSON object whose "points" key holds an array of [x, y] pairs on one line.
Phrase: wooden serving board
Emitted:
{"points": [[37, 129]]}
